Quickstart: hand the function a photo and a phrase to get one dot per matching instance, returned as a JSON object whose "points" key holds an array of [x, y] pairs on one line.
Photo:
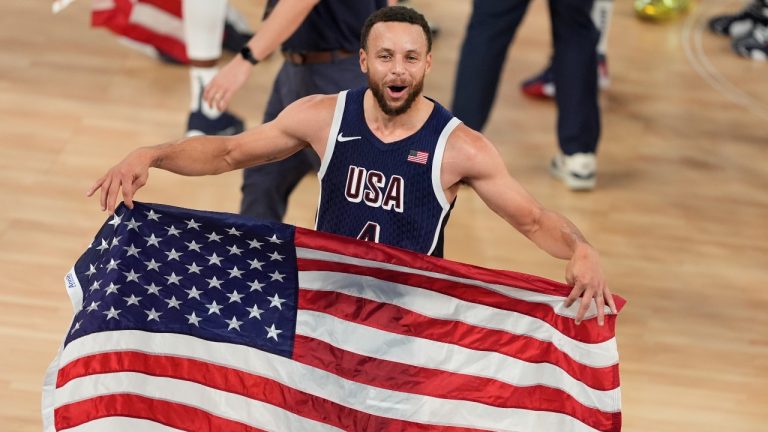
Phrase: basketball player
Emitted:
{"points": [[392, 160]]}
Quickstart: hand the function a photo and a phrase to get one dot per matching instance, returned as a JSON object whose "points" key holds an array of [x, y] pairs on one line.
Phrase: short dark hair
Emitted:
{"points": [[396, 14]]}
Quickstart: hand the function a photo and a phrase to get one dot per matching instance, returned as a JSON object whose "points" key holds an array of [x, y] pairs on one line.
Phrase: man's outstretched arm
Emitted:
{"points": [[300, 124], [475, 161]]}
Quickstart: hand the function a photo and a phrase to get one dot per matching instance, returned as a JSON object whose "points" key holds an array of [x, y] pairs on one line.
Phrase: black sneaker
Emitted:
{"points": [[225, 124], [753, 45], [742, 23]]}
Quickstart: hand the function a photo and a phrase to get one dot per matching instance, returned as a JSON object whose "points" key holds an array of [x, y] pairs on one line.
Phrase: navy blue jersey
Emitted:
{"points": [[385, 192], [333, 25]]}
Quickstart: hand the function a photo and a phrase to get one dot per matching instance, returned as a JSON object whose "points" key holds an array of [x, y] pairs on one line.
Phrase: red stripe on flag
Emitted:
{"points": [[387, 254], [239, 382], [395, 319], [441, 384], [171, 414], [587, 331], [117, 20], [173, 7]]}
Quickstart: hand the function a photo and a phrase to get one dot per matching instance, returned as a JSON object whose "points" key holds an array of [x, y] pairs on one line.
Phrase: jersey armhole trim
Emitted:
{"points": [[437, 186], [335, 125], [437, 162], [338, 114]]}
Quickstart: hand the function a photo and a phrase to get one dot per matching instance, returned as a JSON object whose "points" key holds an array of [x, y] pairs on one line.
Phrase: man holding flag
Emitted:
{"points": [[189, 320], [373, 184]]}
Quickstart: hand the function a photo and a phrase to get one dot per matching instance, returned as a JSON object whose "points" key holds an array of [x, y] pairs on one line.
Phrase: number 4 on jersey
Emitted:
{"points": [[370, 232]]}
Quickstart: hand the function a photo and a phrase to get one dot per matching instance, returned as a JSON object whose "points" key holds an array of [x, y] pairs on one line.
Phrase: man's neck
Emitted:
{"points": [[394, 128]]}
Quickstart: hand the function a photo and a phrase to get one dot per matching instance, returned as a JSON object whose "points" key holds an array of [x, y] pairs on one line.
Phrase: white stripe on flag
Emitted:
{"points": [[157, 20], [121, 424], [555, 302], [430, 354], [219, 403], [436, 305], [377, 401]]}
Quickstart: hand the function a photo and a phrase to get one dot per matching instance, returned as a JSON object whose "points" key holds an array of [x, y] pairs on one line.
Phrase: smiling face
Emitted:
{"points": [[396, 61]]}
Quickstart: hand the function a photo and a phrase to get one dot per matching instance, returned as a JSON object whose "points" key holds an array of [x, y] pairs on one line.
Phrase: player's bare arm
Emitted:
{"points": [[306, 122], [472, 159]]}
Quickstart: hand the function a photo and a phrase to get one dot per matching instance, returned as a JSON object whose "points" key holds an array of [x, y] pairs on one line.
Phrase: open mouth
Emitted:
{"points": [[396, 91]]}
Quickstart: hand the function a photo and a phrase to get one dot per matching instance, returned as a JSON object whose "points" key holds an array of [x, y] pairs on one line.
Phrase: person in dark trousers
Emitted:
{"points": [[320, 43], [491, 29]]}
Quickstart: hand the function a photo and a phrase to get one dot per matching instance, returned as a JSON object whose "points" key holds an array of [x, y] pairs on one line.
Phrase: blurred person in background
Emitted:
{"points": [[320, 43], [491, 28]]}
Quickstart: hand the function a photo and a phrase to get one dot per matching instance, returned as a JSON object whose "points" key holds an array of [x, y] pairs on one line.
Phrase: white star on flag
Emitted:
{"points": [[131, 276], [132, 250], [193, 319], [153, 315], [115, 220], [112, 288], [152, 265], [173, 303], [233, 323], [213, 237], [255, 285], [276, 301], [151, 215], [255, 312], [214, 259], [104, 246], [132, 300], [173, 279], [133, 225], [193, 246], [152, 240], [173, 255], [235, 297], [214, 282], [194, 268], [275, 256], [235, 273], [214, 308], [153, 289], [272, 332], [112, 313], [94, 306], [194, 292], [192, 224], [255, 263]]}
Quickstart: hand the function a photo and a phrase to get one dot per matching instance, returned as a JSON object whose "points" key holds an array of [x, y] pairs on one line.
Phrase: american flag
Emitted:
{"points": [[153, 26], [418, 156], [215, 322]]}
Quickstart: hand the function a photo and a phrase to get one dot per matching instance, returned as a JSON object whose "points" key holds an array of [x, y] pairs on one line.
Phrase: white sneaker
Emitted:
{"points": [[578, 171]]}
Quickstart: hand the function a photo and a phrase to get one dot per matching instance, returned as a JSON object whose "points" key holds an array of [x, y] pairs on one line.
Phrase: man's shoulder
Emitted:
{"points": [[464, 139], [317, 103]]}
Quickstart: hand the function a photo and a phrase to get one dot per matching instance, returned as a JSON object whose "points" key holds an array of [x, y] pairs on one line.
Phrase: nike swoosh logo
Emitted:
{"points": [[342, 138]]}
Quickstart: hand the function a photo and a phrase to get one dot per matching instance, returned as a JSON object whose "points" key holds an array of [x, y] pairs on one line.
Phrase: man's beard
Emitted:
{"points": [[378, 94]]}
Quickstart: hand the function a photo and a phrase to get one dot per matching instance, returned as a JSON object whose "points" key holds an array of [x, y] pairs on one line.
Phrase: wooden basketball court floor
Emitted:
{"points": [[680, 215]]}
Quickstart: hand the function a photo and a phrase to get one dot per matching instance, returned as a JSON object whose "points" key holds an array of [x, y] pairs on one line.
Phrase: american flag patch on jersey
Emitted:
{"points": [[418, 157]]}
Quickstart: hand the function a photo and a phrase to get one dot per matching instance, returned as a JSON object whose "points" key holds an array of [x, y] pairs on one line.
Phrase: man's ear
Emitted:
{"points": [[429, 62], [363, 61]]}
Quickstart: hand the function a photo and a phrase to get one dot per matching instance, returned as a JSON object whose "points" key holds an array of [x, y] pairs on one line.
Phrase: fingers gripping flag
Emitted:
{"points": [[188, 320]]}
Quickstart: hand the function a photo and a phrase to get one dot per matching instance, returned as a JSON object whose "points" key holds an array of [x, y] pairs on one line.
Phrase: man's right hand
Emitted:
{"points": [[129, 175]]}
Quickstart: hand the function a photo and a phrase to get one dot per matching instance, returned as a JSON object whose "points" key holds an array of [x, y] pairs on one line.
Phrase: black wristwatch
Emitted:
{"points": [[248, 55]]}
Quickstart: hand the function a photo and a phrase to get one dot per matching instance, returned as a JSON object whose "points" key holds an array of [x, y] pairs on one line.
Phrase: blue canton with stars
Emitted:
{"points": [[215, 276]]}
